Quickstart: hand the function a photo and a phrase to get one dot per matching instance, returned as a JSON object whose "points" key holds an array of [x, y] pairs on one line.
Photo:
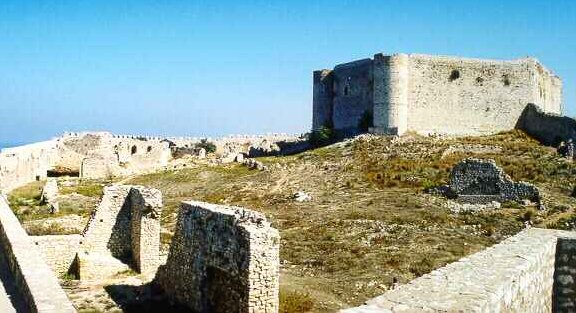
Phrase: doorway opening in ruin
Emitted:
{"points": [[133, 150], [222, 291]]}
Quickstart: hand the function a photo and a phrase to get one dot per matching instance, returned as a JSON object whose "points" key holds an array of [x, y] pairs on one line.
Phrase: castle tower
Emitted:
{"points": [[391, 94], [322, 98]]}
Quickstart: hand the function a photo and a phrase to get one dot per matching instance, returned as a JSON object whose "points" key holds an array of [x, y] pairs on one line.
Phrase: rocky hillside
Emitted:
{"points": [[355, 218]]}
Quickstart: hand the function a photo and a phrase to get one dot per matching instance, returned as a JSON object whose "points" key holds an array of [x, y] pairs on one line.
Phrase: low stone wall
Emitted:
{"points": [[564, 299], [36, 281], [516, 275], [222, 259], [475, 180], [548, 128], [123, 231], [58, 250]]}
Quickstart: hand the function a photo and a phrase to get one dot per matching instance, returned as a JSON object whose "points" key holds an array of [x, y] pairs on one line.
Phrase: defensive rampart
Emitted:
{"points": [[35, 280], [533, 271]]}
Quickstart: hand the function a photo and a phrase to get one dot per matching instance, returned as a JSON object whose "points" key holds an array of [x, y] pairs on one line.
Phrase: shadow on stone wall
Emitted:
{"points": [[564, 289], [549, 129], [148, 298]]}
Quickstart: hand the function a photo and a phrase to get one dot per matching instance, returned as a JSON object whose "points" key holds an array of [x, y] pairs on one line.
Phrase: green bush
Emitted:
{"points": [[322, 136], [208, 146]]}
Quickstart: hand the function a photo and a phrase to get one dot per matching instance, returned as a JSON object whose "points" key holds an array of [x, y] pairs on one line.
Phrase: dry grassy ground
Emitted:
{"points": [[369, 222]]}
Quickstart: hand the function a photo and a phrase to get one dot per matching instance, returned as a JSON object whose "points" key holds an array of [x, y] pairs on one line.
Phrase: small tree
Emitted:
{"points": [[208, 146]]}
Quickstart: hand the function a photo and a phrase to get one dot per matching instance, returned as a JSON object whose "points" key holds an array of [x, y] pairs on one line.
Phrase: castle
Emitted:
{"points": [[392, 94]]}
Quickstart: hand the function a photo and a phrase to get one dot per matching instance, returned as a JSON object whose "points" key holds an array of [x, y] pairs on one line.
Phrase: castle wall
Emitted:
{"points": [[36, 282], [322, 98], [25, 164], [435, 94], [123, 231], [550, 129], [548, 94], [108, 229], [516, 275], [99, 155], [352, 93], [222, 259], [391, 94], [467, 96]]}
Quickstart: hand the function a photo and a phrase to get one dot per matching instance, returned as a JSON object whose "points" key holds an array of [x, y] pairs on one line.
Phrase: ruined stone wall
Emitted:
{"points": [[516, 275], [94, 155], [108, 229], [25, 164], [549, 89], [146, 209], [236, 143], [564, 292], [222, 259], [461, 96], [475, 180], [99, 155], [35, 280], [548, 128], [58, 250], [123, 232]]}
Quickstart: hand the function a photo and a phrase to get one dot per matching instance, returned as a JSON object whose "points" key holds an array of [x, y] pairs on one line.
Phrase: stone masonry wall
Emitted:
{"points": [[550, 129], [564, 293], [34, 279], [485, 97], [25, 164], [222, 259], [123, 231], [516, 275], [58, 250], [146, 208], [482, 181], [434, 94], [108, 229], [352, 93]]}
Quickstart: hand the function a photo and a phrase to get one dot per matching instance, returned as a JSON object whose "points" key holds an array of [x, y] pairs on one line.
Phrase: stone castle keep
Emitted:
{"points": [[426, 94]]}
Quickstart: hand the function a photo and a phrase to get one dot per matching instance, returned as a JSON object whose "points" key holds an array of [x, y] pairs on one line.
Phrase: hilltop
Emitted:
{"points": [[369, 222]]}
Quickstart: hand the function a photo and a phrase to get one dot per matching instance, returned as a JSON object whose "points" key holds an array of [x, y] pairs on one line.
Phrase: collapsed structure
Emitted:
{"points": [[122, 233], [428, 94], [481, 181], [222, 259], [88, 155]]}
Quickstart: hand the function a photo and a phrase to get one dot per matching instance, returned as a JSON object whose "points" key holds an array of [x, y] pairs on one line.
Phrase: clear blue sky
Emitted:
{"points": [[221, 67]]}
